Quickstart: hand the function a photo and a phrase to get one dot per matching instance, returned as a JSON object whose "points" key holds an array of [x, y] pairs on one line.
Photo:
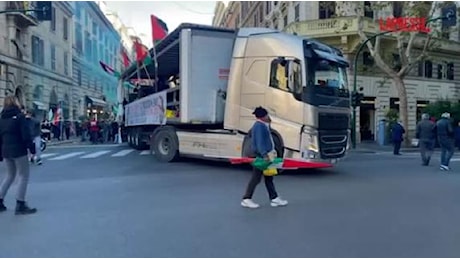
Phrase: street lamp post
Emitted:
{"points": [[355, 65]]}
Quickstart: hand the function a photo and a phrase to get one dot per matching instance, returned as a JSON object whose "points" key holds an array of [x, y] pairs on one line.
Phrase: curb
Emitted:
{"points": [[60, 143], [371, 151]]}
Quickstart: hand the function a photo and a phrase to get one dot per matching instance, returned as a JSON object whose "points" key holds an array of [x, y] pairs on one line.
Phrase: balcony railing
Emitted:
{"points": [[341, 26], [331, 27], [22, 19]]}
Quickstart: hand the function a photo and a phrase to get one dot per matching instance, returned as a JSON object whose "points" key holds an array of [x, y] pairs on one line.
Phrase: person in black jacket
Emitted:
{"points": [[15, 140]]}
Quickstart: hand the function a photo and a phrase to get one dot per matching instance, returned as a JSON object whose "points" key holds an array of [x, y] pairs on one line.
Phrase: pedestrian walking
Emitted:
{"points": [[445, 134], [94, 130], [426, 136], [35, 130], [397, 133], [15, 140], [263, 146]]}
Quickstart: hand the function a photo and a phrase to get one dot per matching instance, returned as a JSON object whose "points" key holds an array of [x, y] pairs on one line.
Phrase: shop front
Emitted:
{"points": [[95, 107]]}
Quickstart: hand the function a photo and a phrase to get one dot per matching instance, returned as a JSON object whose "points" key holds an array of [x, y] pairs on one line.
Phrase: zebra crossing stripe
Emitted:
{"points": [[46, 155], [66, 156], [94, 155], [145, 153], [123, 153]]}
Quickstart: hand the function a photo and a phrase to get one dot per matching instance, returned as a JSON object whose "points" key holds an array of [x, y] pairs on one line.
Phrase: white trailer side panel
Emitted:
{"points": [[149, 110], [205, 58]]}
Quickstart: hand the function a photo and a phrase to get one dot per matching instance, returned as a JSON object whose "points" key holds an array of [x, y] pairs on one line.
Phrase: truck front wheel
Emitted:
{"points": [[166, 145]]}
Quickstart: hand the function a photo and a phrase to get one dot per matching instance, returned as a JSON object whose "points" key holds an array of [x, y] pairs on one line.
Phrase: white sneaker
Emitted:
{"points": [[444, 168], [248, 203], [277, 202]]}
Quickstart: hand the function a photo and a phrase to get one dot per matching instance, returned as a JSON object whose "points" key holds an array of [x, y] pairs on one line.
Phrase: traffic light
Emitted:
{"points": [[43, 11], [356, 98]]}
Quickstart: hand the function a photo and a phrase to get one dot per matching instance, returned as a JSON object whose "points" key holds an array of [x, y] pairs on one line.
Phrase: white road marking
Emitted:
{"points": [[123, 153], [66, 156], [145, 153], [94, 155], [46, 155]]}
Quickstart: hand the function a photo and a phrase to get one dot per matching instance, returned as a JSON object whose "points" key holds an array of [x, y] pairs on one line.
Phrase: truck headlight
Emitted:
{"points": [[310, 143]]}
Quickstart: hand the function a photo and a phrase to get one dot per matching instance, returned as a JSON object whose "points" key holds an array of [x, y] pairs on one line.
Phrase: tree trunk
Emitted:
{"points": [[403, 109]]}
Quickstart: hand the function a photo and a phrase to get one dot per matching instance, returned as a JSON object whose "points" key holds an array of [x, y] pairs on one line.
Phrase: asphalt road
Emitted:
{"points": [[105, 201]]}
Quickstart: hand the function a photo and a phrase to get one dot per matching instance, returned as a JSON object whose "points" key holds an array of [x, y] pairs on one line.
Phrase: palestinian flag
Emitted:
{"points": [[126, 60], [109, 70], [280, 163], [159, 28], [142, 53]]}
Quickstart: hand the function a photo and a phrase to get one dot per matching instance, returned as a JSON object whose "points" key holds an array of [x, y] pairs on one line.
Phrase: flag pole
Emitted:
{"points": [[155, 62]]}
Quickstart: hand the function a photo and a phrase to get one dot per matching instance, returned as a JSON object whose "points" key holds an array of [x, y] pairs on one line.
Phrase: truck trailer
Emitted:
{"points": [[210, 80]]}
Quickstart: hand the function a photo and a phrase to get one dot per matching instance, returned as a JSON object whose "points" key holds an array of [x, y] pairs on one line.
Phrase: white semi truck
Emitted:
{"points": [[221, 75]]}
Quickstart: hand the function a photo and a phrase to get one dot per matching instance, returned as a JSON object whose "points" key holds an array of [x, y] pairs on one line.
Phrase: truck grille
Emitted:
{"points": [[333, 144]]}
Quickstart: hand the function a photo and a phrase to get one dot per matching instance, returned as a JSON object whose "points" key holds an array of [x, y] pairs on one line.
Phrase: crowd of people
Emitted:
{"points": [[98, 131]]}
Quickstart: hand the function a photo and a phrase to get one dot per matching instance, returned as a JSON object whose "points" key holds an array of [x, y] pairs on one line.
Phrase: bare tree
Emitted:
{"points": [[412, 47]]}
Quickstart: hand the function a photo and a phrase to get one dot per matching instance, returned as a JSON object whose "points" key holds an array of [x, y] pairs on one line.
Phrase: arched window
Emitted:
{"points": [[38, 93]]}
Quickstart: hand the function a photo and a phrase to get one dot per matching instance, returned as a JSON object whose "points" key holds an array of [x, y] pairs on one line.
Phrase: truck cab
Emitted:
{"points": [[301, 82]]}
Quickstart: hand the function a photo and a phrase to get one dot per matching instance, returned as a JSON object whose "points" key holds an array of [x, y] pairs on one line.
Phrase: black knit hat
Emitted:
{"points": [[260, 112]]}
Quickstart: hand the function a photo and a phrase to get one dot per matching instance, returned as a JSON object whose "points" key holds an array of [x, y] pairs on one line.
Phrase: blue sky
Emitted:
{"points": [[137, 14]]}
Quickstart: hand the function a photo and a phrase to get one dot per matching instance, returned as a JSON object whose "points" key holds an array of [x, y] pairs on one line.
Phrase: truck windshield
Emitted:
{"points": [[327, 84], [329, 74]]}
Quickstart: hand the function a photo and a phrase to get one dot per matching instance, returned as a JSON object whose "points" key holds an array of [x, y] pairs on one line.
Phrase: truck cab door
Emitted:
{"points": [[279, 99]]}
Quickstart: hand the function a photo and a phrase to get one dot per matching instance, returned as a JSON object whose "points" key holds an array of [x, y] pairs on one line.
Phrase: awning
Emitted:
{"points": [[96, 101], [39, 105]]}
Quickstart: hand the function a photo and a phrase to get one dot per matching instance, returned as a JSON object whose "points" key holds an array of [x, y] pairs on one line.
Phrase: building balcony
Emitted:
{"points": [[343, 31], [22, 19], [331, 27]]}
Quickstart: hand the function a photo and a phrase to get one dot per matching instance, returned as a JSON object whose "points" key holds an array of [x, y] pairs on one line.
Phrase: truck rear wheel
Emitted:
{"points": [[166, 145], [130, 139]]}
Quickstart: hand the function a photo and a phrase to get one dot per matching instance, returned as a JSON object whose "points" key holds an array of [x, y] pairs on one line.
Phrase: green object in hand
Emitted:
{"points": [[263, 164]]}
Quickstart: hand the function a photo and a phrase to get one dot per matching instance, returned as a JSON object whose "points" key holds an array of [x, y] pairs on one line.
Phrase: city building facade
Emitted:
{"points": [[335, 23], [122, 30], [231, 15], [95, 40], [219, 12], [36, 58]]}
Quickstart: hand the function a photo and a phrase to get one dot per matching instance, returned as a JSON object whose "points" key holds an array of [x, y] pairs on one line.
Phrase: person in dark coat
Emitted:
{"points": [[15, 140], [397, 133], [263, 146], [445, 133], [426, 136], [94, 130]]}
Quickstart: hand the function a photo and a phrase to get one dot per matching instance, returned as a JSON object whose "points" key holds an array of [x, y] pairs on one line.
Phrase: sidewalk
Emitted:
{"points": [[73, 140], [371, 147]]}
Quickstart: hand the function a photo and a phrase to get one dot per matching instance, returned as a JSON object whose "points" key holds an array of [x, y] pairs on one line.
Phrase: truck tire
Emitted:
{"points": [[130, 139], [166, 145], [136, 140]]}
